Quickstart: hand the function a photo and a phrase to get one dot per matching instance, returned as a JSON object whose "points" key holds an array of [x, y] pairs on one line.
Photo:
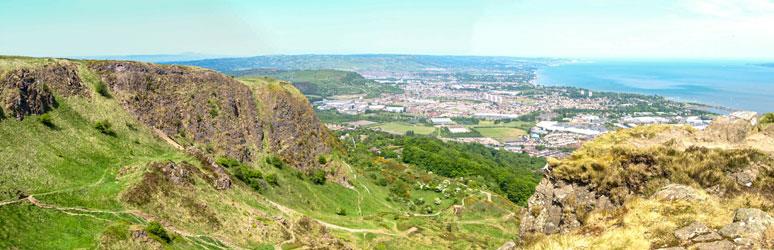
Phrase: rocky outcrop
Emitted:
{"points": [[187, 104], [30, 91], [222, 115], [673, 192], [557, 207], [749, 223], [680, 165], [294, 132]]}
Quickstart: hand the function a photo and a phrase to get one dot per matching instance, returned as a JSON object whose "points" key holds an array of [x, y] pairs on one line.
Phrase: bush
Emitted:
{"points": [[227, 162], [155, 229], [102, 89], [341, 212], [272, 179], [45, 119], [321, 159], [105, 127], [767, 118], [275, 161], [318, 177]]}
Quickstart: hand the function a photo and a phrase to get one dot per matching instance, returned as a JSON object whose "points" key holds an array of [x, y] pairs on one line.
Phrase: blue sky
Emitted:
{"points": [[742, 29]]}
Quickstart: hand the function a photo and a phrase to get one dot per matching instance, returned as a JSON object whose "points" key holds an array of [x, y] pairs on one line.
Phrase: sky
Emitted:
{"points": [[701, 29]]}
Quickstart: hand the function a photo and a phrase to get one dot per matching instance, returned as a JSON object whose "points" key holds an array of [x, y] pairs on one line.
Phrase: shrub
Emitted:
{"points": [[767, 118], [341, 212], [2, 115], [251, 177], [272, 179], [131, 126], [227, 162], [105, 127], [214, 108], [275, 161], [321, 159], [102, 89], [155, 229], [45, 119], [318, 177]]}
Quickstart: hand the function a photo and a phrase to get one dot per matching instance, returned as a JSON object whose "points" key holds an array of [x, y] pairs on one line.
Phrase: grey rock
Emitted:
{"points": [[746, 177], [555, 205], [744, 241], [748, 223], [510, 245], [715, 245], [673, 192], [712, 236], [753, 216], [691, 231]]}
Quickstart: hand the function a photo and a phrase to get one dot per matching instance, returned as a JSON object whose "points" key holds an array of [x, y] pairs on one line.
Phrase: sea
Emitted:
{"points": [[736, 85]]}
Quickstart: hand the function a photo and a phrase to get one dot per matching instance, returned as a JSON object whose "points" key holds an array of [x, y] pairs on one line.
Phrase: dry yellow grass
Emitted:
{"points": [[646, 223]]}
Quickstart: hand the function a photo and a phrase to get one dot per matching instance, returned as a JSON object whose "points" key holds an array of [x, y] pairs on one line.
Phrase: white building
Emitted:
{"points": [[395, 109], [441, 121]]}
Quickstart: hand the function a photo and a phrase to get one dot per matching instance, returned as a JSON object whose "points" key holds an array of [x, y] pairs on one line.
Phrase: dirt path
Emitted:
{"points": [[85, 212], [167, 139]]}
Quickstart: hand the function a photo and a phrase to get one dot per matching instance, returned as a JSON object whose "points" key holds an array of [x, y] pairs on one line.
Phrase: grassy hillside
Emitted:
{"points": [[88, 171], [325, 83]]}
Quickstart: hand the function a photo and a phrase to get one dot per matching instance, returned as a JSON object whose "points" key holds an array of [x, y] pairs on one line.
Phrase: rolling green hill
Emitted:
{"points": [[324, 83], [127, 155]]}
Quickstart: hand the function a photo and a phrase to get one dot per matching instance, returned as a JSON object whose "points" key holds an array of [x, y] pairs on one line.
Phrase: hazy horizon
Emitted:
{"points": [[687, 29]]}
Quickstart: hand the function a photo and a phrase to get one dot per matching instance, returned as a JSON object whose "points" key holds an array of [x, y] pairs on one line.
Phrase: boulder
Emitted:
{"points": [[510, 245], [715, 245], [691, 231], [748, 223], [673, 192], [712, 236], [558, 207]]}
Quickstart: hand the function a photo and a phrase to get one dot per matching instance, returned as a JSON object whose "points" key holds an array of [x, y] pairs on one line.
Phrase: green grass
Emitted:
{"points": [[501, 133], [85, 172], [400, 128]]}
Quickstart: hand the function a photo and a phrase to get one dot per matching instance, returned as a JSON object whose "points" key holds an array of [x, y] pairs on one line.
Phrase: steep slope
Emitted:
{"points": [[660, 186], [127, 155]]}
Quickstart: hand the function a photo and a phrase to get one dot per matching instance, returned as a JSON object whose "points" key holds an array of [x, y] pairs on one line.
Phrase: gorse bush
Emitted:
{"points": [[46, 120], [102, 90], [317, 176], [155, 229], [275, 161], [227, 162], [272, 179], [767, 118], [321, 159], [105, 127], [341, 212]]}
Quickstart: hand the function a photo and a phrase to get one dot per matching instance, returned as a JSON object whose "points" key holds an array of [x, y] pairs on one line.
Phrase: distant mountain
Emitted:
{"points": [[771, 65], [324, 83], [160, 58], [370, 62]]}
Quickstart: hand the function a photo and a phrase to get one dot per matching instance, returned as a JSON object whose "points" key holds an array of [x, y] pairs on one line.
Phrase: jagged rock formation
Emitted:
{"points": [[222, 115], [730, 158], [25, 91], [190, 105], [293, 131]]}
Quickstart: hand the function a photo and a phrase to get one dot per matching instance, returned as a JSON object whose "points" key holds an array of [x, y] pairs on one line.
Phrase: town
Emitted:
{"points": [[507, 111]]}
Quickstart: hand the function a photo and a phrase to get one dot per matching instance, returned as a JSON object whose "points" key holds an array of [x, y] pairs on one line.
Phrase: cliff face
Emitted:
{"points": [[192, 106], [30, 91], [189, 105], [291, 126], [610, 178]]}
